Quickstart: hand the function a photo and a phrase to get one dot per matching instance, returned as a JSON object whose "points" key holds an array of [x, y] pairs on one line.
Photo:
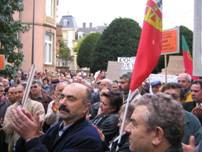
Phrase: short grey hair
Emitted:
{"points": [[186, 76], [164, 112]]}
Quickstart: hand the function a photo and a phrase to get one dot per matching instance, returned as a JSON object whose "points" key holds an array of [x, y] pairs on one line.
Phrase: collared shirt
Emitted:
{"points": [[63, 128]]}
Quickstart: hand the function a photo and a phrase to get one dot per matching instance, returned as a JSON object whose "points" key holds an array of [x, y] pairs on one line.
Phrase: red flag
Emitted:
{"points": [[149, 49], [187, 58]]}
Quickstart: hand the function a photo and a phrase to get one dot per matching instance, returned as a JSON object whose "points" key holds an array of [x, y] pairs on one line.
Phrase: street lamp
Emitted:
{"points": [[33, 31]]}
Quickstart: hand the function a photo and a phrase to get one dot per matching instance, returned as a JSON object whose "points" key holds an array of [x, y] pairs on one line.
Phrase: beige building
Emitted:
{"points": [[69, 29], [44, 33]]}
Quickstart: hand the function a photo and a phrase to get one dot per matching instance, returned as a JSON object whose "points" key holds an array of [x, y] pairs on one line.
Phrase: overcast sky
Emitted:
{"points": [[175, 12]]}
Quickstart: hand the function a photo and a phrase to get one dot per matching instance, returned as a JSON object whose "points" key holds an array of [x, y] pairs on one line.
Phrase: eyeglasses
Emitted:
{"points": [[18, 92], [33, 87], [11, 92], [122, 82]]}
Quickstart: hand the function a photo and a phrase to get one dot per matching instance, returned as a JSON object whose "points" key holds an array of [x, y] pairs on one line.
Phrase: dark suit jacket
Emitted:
{"points": [[79, 137]]}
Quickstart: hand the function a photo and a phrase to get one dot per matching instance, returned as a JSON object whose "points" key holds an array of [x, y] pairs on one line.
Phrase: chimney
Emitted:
{"points": [[84, 25], [91, 25]]}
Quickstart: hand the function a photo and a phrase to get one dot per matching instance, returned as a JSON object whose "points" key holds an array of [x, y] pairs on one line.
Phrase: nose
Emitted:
{"points": [[61, 101], [128, 128]]}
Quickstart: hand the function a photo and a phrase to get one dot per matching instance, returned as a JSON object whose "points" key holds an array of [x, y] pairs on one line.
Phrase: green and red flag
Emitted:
{"points": [[149, 49], [188, 64]]}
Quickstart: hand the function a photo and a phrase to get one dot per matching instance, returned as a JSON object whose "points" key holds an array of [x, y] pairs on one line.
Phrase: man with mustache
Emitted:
{"points": [[73, 133]]}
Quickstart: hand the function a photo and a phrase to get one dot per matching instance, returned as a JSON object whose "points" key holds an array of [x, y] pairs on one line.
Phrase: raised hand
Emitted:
{"points": [[25, 124], [191, 146]]}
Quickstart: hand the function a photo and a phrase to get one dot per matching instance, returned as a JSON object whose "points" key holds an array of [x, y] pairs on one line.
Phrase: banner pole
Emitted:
{"points": [[166, 70]]}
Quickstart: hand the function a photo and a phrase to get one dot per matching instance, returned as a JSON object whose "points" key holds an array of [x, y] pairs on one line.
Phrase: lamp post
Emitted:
{"points": [[33, 31]]}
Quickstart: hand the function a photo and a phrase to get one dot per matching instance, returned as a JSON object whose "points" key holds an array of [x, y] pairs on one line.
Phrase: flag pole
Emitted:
{"points": [[166, 70], [28, 86], [123, 121]]}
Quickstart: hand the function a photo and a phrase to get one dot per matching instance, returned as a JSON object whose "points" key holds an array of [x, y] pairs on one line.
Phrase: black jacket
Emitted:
{"points": [[108, 124], [123, 146]]}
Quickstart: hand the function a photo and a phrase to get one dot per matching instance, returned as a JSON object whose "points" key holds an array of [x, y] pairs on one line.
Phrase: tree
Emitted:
{"points": [[120, 39], [86, 50], [64, 51], [10, 45]]}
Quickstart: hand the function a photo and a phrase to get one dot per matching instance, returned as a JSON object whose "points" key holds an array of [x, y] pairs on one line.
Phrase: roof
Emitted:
{"points": [[98, 29], [68, 21]]}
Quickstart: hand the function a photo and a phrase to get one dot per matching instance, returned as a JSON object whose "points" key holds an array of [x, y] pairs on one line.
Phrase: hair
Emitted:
{"points": [[108, 82], [126, 76], [186, 75], [88, 95], [115, 99], [164, 112], [37, 82], [22, 86], [45, 78], [171, 85], [197, 82]]}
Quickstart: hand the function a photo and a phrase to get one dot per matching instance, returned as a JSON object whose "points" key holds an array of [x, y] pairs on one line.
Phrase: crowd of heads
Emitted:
{"points": [[154, 115]]}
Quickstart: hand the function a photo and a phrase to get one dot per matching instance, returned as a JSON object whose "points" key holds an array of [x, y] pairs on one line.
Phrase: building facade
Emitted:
{"points": [[69, 28], [39, 41]]}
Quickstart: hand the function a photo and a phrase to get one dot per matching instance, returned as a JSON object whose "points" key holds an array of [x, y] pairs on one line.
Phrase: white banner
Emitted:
{"points": [[127, 63]]}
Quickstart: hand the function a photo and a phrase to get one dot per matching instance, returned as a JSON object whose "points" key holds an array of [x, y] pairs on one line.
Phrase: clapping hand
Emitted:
{"points": [[25, 124]]}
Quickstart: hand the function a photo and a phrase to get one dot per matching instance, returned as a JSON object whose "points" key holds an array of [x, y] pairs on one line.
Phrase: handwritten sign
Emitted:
{"points": [[170, 41]]}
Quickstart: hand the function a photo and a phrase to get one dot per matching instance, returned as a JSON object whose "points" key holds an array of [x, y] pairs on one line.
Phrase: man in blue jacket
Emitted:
{"points": [[73, 134]]}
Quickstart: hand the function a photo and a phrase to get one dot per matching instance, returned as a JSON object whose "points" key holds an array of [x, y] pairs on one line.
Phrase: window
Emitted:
{"points": [[48, 59], [50, 8]]}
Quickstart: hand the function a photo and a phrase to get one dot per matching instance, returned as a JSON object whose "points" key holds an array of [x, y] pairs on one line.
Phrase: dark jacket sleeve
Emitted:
{"points": [[33, 145], [109, 127]]}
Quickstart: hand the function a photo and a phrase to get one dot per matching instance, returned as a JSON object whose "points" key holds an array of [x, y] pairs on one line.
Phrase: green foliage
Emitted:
{"points": [[86, 50], [76, 48], [64, 51], [10, 44], [120, 39]]}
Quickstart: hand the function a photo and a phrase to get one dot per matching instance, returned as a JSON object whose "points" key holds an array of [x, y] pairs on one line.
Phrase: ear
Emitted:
{"points": [[87, 107], [158, 136]]}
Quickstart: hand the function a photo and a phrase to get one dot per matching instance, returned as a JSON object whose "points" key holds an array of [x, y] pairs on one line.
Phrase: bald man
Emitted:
{"points": [[73, 133]]}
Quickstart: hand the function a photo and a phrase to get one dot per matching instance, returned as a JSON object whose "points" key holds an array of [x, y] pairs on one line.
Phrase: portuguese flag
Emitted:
{"points": [[187, 57], [149, 49]]}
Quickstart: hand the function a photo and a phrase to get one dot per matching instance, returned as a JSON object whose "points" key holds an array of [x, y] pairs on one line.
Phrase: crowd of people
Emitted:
{"points": [[80, 112]]}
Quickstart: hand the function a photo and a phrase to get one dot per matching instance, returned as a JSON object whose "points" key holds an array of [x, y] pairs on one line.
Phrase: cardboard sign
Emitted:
{"points": [[113, 70], [2, 62], [170, 41]]}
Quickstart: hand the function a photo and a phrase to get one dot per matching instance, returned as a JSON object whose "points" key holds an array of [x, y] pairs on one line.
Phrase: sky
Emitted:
{"points": [[100, 12]]}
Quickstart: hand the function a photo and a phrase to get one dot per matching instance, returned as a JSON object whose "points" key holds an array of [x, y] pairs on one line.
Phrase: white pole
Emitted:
{"points": [[124, 119]]}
